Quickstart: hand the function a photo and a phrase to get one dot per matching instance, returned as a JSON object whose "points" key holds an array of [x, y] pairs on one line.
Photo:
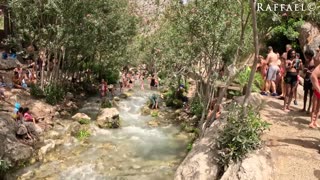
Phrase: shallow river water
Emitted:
{"points": [[133, 152]]}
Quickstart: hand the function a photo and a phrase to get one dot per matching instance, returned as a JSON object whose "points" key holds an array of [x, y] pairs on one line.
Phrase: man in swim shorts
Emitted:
{"points": [[273, 70]]}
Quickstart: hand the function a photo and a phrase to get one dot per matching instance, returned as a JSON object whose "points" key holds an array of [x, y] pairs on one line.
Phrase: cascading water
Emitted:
{"points": [[134, 151]]}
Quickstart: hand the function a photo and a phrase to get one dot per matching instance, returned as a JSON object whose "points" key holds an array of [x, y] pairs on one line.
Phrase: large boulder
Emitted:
{"points": [[201, 162], [11, 149], [8, 64], [109, 118], [255, 99], [257, 165], [309, 36]]}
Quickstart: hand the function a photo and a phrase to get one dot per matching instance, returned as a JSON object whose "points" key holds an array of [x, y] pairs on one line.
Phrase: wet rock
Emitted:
{"points": [[53, 135], [153, 123], [69, 95], [124, 96], [145, 110], [80, 116], [74, 128], [201, 162], [116, 98], [65, 114], [257, 165], [109, 118], [50, 145]]}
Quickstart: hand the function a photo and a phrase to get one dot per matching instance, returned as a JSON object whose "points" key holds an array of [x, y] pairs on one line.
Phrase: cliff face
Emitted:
{"points": [[309, 36], [150, 12]]}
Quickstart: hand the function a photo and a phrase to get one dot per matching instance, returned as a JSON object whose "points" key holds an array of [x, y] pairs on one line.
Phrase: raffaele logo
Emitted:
{"points": [[286, 7]]}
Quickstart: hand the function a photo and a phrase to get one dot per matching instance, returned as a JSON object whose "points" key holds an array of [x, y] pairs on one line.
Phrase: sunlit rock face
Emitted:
{"points": [[309, 36]]}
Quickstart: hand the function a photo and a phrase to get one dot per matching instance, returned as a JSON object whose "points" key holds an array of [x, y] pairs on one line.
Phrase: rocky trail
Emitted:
{"points": [[294, 146]]}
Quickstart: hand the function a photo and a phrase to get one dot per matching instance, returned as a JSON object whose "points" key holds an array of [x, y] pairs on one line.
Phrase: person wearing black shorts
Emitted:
{"points": [[290, 79], [307, 86]]}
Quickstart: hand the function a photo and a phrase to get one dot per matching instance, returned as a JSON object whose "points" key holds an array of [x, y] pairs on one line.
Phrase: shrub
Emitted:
{"points": [[154, 114], [243, 78], [241, 134], [189, 147], [196, 107], [84, 121], [36, 91], [83, 134], [54, 94], [4, 166], [106, 104]]}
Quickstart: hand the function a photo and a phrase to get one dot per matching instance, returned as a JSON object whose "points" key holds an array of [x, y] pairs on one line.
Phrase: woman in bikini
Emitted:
{"points": [[290, 79]]}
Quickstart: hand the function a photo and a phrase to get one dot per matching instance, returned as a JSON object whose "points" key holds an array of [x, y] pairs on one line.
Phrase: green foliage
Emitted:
{"points": [[84, 121], [196, 107], [241, 134], [154, 114], [243, 79], [4, 166], [93, 35], [83, 134], [189, 147], [106, 103], [36, 91], [289, 28], [54, 94]]}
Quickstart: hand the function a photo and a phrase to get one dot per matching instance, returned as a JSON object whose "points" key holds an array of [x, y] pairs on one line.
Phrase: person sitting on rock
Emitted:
{"points": [[16, 81], [211, 108], [28, 117], [19, 70], [154, 100]]}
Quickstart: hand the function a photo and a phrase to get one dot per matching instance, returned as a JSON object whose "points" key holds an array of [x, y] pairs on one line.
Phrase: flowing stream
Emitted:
{"points": [[134, 151]]}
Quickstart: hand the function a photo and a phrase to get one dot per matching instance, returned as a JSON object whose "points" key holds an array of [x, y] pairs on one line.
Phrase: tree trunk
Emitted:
{"points": [[256, 46]]}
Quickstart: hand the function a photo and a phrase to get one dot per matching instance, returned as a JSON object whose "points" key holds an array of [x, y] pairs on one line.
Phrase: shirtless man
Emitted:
{"points": [[315, 79], [273, 70], [285, 54]]}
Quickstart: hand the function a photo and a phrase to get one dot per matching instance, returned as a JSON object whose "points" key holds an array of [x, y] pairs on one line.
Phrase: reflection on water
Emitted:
{"points": [[134, 151]]}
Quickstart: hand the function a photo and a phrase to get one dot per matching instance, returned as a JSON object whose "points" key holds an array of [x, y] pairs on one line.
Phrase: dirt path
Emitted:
{"points": [[295, 147]]}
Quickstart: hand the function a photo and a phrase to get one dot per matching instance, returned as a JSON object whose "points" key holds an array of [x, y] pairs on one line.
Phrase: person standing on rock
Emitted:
{"points": [[307, 85], [273, 70], [315, 79]]}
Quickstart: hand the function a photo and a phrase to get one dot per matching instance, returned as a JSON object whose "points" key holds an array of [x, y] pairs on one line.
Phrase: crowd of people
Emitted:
{"points": [[287, 72], [128, 80]]}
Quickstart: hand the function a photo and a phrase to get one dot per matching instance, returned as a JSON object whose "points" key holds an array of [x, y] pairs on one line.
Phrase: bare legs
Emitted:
{"points": [[315, 112], [288, 97], [283, 88], [305, 98]]}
